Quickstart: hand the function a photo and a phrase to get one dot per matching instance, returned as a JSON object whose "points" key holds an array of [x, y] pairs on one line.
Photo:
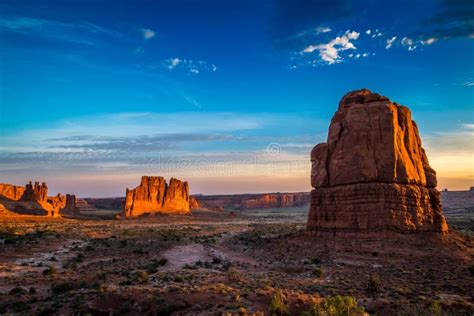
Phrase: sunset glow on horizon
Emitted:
{"points": [[230, 96]]}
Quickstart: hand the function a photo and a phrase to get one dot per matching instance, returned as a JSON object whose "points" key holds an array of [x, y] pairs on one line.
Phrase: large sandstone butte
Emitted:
{"points": [[33, 199], [154, 195], [372, 173]]}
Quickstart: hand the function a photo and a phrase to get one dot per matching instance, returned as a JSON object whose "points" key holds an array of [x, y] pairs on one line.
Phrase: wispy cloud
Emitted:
{"points": [[80, 32], [390, 42], [189, 65], [330, 52], [147, 33]]}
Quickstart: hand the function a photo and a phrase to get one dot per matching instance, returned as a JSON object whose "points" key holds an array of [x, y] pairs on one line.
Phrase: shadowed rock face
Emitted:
{"points": [[372, 173], [154, 195]]}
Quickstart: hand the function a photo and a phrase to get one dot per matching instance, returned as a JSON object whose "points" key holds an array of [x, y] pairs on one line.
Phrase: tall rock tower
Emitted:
{"points": [[372, 173]]}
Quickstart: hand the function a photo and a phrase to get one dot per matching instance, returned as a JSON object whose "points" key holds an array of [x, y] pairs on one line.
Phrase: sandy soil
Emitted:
{"points": [[212, 263]]}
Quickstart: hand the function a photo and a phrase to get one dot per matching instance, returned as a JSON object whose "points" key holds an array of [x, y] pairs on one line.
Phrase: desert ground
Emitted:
{"points": [[256, 262]]}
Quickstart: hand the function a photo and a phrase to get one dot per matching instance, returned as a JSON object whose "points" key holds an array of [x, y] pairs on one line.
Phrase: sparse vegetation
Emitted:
{"points": [[142, 276], [317, 272], [374, 283], [336, 306], [50, 271], [277, 305]]}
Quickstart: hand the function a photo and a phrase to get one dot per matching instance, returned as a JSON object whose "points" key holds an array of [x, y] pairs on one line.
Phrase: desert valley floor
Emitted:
{"points": [[218, 262]]}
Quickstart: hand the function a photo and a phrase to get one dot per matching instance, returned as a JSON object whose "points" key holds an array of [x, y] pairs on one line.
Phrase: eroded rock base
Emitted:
{"points": [[375, 207]]}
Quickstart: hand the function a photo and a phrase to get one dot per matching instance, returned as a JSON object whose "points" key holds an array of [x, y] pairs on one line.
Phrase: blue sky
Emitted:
{"points": [[230, 95]]}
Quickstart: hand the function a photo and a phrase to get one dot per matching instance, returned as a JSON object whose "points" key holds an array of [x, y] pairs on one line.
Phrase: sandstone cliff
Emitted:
{"points": [[372, 174], [34, 200], [253, 201], [12, 192], [274, 200], [154, 195]]}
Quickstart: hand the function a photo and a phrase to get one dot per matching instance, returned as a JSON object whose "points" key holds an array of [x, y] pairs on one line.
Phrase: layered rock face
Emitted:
{"points": [[12, 192], [253, 201], [372, 174], [277, 200], [36, 193], [34, 200], [154, 195]]}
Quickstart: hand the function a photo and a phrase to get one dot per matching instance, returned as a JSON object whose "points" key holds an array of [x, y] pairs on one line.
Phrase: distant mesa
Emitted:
{"points": [[154, 195], [372, 174], [33, 199]]}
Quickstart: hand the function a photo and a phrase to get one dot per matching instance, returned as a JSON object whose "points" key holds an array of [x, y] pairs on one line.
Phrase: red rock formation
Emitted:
{"points": [[12, 192], [274, 200], [69, 207], [31, 200], [253, 201], [193, 203], [372, 173], [36, 193], [154, 195]]}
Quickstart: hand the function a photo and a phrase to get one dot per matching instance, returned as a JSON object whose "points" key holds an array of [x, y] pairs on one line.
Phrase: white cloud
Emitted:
{"points": [[469, 84], [429, 41], [390, 42], [406, 41], [173, 62], [329, 52], [376, 33], [368, 32], [192, 66], [322, 29], [147, 33]]}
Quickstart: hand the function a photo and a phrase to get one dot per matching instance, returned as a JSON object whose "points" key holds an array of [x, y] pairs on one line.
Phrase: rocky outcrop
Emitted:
{"points": [[69, 207], [33, 200], [154, 195], [253, 201], [193, 203], [274, 200], [12, 192], [36, 193], [372, 174]]}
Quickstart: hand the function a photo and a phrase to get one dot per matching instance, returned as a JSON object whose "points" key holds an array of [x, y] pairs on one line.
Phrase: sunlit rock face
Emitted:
{"points": [[154, 195], [372, 174], [33, 199]]}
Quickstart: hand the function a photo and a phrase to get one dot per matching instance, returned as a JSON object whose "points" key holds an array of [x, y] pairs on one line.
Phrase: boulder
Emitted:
{"points": [[372, 173], [154, 195]]}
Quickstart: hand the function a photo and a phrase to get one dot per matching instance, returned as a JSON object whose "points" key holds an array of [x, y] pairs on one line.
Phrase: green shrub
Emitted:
{"points": [[17, 291], [142, 276], [374, 283], [61, 288], [336, 306], [318, 272], [277, 305], [50, 271], [233, 275], [435, 308]]}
